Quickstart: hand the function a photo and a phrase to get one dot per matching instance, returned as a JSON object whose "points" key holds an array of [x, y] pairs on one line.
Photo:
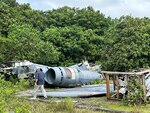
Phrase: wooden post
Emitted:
{"points": [[117, 84], [107, 86], [114, 81], [127, 84], [144, 87]]}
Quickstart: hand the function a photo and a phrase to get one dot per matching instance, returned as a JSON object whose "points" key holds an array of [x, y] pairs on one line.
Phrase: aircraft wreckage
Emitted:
{"points": [[75, 75]]}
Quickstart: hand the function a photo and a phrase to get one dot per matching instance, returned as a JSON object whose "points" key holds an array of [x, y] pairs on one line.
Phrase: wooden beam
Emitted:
{"points": [[126, 73]]}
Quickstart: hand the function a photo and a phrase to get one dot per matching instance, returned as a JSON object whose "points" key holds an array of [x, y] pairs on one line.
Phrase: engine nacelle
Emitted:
{"points": [[68, 76]]}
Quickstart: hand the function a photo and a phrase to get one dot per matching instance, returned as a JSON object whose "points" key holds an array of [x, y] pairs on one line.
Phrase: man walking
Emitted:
{"points": [[39, 83]]}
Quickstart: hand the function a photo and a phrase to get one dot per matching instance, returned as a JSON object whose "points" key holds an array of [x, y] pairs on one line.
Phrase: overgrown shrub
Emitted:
{"points": [[9, 102], [135, 95]]}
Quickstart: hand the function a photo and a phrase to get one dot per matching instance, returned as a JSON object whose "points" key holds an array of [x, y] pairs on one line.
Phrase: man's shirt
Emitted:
{"points": [[40, 76]]}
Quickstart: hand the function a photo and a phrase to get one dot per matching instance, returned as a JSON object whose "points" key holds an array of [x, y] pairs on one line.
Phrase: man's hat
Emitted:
{"points": [[38, 67]]}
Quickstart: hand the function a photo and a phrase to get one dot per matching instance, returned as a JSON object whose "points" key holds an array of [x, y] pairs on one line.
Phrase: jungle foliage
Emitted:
{"points": [[65, 36]]}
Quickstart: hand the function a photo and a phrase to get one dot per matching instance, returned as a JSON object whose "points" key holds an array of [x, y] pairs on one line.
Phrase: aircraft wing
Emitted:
{"points": [[84, 91]]}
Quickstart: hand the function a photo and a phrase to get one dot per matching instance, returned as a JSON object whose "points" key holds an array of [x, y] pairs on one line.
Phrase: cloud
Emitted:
{"points": [[40, 4], [136, 8], [113, 8]]}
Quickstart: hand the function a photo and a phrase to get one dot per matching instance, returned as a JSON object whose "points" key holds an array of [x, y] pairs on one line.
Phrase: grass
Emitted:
{"points": [[10, 103], [135, 109], [65, 106], [115, 105]]}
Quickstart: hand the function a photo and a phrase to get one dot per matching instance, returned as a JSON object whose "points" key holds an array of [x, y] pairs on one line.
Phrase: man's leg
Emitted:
{"points": [[43, 91], [35, 91]]}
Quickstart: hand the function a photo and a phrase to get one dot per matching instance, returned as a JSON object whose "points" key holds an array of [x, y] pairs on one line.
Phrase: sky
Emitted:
{"points": [[112, 8]]}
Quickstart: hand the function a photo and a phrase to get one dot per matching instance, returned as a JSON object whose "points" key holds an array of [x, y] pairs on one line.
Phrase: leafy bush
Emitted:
{"points": [[135, 92], [9, 102]]}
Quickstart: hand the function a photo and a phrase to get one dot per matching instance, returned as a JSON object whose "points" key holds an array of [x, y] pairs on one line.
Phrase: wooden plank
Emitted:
{"points": [[143, 72], [117, 73], [126, 73]]}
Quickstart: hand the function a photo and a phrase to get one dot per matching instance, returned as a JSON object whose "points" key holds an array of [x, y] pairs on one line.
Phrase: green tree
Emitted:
{"points": [[91, 19], [127, 45], [26, 44], [61, 17], [3, 44], [87, 18], [75, 43]]}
